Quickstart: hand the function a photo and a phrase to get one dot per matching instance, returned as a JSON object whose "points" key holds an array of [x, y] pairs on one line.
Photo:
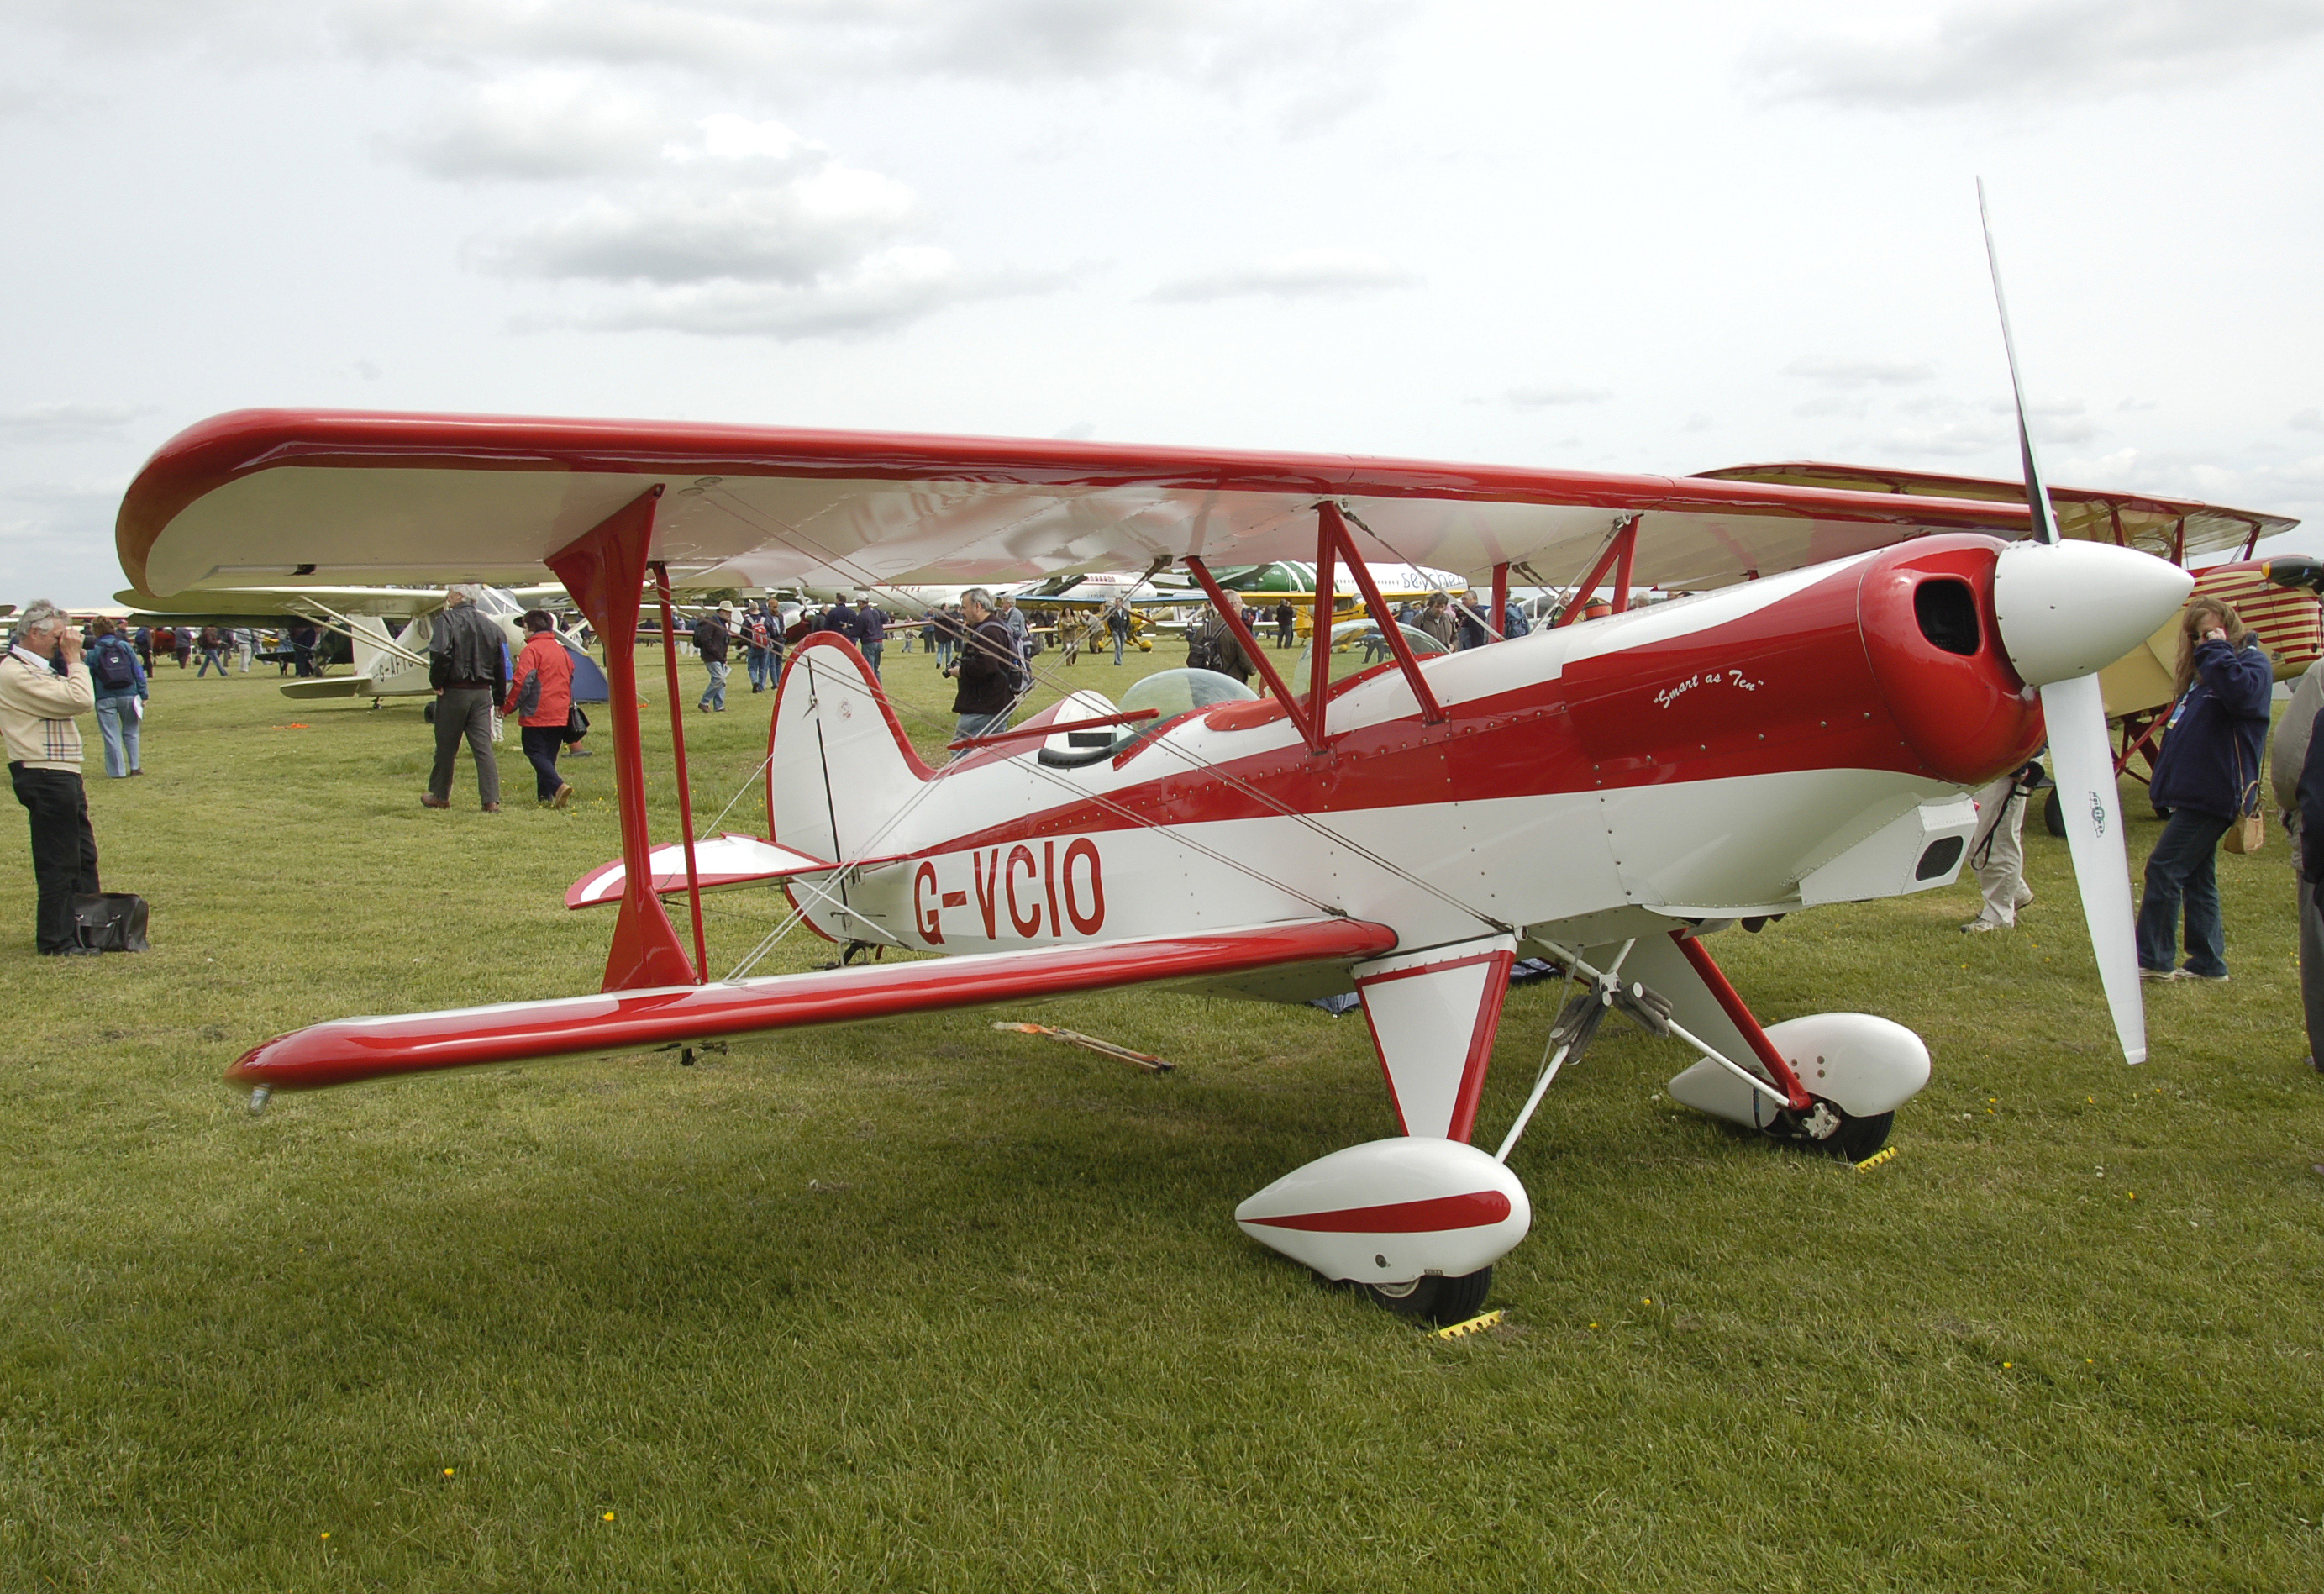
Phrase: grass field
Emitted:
{"points": [[923, 1305]]}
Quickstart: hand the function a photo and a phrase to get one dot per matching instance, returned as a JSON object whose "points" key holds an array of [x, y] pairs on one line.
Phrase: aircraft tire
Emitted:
{"points": [[2053, 814], [1435, 1300], [1859, 1137]]}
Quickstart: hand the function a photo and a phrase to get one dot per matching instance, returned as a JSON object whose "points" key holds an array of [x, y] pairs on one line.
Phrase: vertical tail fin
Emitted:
{"points": [[839, 767]]}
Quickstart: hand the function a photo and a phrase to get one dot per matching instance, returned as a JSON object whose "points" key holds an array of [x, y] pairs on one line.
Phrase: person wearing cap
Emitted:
{"points": [[871, 632], [38, 702], [467, 665], [713, 635]]}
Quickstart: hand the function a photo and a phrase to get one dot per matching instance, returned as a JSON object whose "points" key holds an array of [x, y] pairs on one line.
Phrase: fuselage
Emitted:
{"points": [[1799, 739]]}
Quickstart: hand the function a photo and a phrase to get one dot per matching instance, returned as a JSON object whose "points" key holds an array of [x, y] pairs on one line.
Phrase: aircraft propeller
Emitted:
{"points": [[2066, 610]]}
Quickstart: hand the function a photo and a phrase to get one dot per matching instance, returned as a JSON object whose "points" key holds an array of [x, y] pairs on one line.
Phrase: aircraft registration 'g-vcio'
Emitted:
{"points": [[1802, 729]]}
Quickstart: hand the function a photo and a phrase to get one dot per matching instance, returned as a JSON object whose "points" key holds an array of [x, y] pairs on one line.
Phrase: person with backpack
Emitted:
{"points": [[1213, 645], [213, 652], [757, 629], [121, 697], [987, 670], [540, 697]]}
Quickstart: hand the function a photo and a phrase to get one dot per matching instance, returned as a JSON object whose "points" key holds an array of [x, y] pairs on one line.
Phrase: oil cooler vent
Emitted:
{"points": [[1942, 855]]}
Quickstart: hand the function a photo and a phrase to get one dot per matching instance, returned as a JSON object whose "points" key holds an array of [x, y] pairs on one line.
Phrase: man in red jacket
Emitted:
{"points": [[540, 695]]}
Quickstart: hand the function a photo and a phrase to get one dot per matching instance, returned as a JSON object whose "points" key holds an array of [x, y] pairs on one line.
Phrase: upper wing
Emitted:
{"points": [[2174, 528], [267, 496], [345, 1050]]}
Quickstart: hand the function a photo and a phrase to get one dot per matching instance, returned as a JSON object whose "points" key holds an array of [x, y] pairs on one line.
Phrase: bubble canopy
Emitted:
{"points": [[1173, 692]]}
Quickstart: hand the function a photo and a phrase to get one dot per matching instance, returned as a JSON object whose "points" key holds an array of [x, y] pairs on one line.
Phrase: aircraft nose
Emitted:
{"points": [[2070, 609]]}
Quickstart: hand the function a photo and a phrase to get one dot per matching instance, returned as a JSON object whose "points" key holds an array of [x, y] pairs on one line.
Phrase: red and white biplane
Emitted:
{"points": [[1605, 794]]}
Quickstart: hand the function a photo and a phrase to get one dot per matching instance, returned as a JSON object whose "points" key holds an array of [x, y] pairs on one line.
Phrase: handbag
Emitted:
{"points": [[2248, 832], [110, 921], [577, 726]]}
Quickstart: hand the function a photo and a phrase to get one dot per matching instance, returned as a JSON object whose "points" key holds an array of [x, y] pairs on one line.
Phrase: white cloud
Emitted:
{"points": [[2137, 404], [790, 233], [876, 294], [540, 125], [1835, 404], [1309, 274], [2034, 52], [52, 422], [1861, 373], [777, 44], [745, 228], [21, 99], [1551, 398], [2308, 420], [1944, 439]]}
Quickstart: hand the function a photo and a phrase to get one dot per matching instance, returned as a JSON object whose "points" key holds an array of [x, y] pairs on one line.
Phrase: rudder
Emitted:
{"points": [[839, 767]]}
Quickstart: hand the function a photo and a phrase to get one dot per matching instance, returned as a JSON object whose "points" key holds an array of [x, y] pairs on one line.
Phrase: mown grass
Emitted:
{"points": [[923, 1305]]}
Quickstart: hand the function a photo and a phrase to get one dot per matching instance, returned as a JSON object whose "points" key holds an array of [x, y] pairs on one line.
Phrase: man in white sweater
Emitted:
{"points": [[37, 709]]}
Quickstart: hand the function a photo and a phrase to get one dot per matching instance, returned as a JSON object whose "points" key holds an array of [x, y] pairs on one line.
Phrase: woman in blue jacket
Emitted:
{"points": [[2205, 778]]}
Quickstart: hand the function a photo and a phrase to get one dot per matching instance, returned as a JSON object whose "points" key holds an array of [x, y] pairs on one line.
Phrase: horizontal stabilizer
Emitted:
{"points": [[720, 863], [329, 686], [345, 1050]]}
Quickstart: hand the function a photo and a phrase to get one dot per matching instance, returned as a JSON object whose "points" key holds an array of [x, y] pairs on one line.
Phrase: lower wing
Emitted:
{"points": [[345, 1050]]}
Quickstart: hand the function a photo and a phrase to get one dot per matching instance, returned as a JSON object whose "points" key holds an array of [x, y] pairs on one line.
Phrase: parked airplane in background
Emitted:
{"points": [[385, 665]]}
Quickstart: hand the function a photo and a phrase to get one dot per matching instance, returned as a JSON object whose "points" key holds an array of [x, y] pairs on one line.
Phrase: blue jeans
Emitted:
{"points": [[713, 695], [211, 656], [871, 657], [117, 718], [761, 671], [2184, 869], [541, 745], [979, 724], [1120, 638]]}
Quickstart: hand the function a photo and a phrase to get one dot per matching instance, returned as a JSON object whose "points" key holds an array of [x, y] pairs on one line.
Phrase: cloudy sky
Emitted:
{"points": [[1654, 237]]}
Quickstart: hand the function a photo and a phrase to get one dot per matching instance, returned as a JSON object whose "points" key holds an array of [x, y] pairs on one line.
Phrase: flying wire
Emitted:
{"points": [[793, 537]]}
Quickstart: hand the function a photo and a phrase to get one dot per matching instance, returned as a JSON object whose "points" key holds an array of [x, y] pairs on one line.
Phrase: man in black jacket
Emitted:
{"points": [[713, 635], [467, 663], [986, 670]]}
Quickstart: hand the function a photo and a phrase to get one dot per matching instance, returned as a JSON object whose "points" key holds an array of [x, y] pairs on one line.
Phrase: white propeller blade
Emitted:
{"points": [[2059, 631], [2081, 761]]}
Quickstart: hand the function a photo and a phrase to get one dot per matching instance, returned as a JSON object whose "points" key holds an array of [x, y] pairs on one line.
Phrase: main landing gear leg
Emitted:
{"points": [[1418, 1220], [1829, 1082]]}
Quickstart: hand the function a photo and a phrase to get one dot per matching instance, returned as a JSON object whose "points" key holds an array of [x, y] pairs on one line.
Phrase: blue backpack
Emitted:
{"points": [[114, 665]]}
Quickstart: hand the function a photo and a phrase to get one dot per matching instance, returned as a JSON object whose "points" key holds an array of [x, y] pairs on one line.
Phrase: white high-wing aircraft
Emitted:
{"points": [[384, 665]]}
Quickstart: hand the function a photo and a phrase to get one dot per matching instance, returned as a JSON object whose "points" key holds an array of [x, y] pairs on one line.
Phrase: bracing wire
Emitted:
{"points": [[1040, 676]]}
